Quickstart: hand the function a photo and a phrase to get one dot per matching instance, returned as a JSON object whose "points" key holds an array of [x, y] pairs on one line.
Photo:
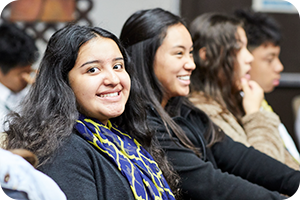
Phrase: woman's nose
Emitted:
{"points": [[250, 57], [111, 78], [190, 64]]}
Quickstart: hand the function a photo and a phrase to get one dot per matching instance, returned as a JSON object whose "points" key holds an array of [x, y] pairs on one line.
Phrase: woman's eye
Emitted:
{"points": [[118, 66], [93, 70]]}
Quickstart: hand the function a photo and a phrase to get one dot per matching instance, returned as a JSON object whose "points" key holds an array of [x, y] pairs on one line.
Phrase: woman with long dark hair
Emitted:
{"points": [[85, 120], [222, 72], [210, 164]]}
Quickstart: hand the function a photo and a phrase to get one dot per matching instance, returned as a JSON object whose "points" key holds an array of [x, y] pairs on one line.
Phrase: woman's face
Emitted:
{"points": [[174, 63], [243, 56], [99, 80]]}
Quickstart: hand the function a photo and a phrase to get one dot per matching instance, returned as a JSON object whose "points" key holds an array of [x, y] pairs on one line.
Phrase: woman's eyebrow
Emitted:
{"points": [[98, 61], [119, 58], [90, 62]]}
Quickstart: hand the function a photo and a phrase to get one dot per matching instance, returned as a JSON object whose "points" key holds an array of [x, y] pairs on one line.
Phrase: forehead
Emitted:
{"points": [[177, 35], [99, 48], [266, 49], [241, 34], [20, 69]]}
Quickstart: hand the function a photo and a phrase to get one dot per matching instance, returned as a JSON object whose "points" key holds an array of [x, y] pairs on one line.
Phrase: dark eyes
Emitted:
{"points": [[97, 69], [181, 52], [93, 70], [118, 66]]}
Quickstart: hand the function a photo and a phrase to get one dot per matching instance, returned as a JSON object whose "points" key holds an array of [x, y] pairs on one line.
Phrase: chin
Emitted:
{"points": [[268, 90], [117, 113]]}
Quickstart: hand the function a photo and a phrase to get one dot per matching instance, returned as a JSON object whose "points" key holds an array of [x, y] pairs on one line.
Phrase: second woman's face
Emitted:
{"points": [[243, 56], [174, 63], [99, 80]]}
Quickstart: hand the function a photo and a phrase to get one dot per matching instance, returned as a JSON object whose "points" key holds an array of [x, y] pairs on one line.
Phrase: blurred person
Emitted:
{"points": [[264, 40], [20, 180], [223, 66], [17, 54]]}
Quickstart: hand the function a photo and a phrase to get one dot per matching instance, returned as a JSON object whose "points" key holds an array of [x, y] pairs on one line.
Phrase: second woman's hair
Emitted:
{"points": [[141, 35], [217, 74]]}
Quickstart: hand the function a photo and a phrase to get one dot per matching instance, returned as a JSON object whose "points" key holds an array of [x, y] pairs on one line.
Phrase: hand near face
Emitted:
{"points": [[253, 96], [29, 77]]}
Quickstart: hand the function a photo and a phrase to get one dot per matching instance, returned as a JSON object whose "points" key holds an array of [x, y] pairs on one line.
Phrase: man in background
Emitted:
{"points": [[17, 54], [264, 37]]}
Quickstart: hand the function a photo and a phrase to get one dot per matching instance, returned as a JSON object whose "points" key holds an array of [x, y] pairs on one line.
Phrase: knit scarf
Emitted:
{"points": [[134, 162]]}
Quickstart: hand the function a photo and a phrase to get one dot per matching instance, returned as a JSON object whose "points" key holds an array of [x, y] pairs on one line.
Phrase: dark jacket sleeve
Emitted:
{"points": [[200, 179], [255, 166]]}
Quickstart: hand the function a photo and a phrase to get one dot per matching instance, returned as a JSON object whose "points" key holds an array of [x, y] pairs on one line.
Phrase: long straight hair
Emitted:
{"points": [[218, 73], [49, 112], [142, 34]]}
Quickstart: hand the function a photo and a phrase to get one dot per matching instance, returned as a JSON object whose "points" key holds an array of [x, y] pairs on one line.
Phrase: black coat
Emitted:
{"points": [[227, 170], [84, 173]]}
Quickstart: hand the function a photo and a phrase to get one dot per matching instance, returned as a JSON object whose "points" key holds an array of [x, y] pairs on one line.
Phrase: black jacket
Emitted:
{"points": [[227, 170], [84, 173]]}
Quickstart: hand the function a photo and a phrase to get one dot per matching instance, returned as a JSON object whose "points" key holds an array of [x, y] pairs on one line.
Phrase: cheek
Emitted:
{"points": [[81, 89], [126, 81]]}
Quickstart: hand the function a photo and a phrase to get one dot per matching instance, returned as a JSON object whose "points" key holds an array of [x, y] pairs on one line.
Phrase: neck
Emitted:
{"points": [[164, 102]]}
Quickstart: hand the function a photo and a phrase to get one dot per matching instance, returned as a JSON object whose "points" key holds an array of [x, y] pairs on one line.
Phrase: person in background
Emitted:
{"points": [[211, 165], [17, 54], [264, 40], [222, 72], [20, 180], [84, 118]]}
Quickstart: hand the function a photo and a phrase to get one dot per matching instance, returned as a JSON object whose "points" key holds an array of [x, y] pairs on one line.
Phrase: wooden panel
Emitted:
{"points": [[41, 28], [43, 10]]}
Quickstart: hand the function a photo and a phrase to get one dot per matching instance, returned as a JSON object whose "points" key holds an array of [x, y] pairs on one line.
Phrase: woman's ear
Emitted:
{"points": [[202, 53]]}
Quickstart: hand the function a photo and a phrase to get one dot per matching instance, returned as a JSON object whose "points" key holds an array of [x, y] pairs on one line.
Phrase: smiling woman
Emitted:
{"points": [[175, 52], [99, 80], [79, 119]]}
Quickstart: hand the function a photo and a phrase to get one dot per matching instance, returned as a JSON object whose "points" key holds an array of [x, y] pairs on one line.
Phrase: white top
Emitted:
{"points": [[297, 126], [284, 134], [9, 101], [17, 174]]}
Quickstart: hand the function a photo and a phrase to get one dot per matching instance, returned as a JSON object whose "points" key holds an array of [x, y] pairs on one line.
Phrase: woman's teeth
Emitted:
{"points": [[109, 95], [184, 77]]}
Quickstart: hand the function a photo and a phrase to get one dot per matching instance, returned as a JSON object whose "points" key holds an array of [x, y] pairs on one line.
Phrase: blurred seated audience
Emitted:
{"points": [[264, 40], [222, 73]]}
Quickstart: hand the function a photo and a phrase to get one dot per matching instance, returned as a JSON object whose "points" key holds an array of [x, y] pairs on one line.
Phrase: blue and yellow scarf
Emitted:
{"points": [[134, 162]]}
